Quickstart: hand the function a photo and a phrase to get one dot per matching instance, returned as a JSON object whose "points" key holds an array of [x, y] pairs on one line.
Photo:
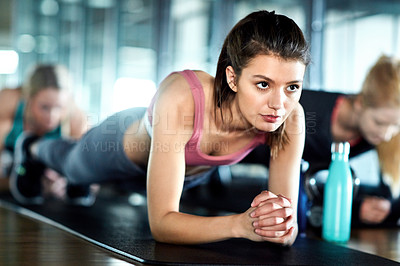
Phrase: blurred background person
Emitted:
{"points": [[44, 106]]}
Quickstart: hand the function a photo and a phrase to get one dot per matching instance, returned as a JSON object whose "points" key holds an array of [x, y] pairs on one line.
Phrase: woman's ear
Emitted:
{"points": [[231, 78]]}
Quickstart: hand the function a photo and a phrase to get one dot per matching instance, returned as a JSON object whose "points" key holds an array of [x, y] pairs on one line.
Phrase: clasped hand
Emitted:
{"points": [[272, 220], [374, 210]]}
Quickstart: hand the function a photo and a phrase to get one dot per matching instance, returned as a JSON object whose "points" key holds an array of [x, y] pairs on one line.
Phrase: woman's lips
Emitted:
{"points": [[271, 118]]}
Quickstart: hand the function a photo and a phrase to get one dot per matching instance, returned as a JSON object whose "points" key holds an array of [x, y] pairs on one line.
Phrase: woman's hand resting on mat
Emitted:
{"points": [[273, 219], [54, 185]]}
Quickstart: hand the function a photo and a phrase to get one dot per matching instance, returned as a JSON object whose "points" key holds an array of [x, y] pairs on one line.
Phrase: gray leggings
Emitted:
{"points": [[99, 155]]}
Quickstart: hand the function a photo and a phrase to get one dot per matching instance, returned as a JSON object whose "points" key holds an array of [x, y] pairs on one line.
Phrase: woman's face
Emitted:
{"points": [[47, 109], [379, 124], [268, 89]]}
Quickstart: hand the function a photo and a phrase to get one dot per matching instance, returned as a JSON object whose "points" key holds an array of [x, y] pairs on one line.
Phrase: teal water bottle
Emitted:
{"points": [[338, 196]]}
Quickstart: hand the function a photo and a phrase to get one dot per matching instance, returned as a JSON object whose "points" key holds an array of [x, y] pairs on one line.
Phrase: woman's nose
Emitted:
{"points": [[53, 116], [276, 99]]}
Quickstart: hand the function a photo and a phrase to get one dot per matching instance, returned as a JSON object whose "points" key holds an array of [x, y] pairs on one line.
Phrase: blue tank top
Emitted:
{"points": [[18, 128]]}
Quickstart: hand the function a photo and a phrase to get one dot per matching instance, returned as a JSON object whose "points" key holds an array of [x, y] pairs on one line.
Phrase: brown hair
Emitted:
{"points": [[259, 33], [46, 76]]}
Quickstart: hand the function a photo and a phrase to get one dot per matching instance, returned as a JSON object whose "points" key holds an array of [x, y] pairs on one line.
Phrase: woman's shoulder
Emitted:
{"points": [[9, 99], [206, 80], [174, 95], [203, 76], [298, 109], [15, 94], [179, 88], [77, 121], [176, 78], [296, 120], [297, 112], [174, 86]]}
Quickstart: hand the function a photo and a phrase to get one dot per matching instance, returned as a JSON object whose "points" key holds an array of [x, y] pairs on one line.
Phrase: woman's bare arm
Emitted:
{"points": [[8, 103], [284, 170], [284, 175], [166, 171], [77, 122]]}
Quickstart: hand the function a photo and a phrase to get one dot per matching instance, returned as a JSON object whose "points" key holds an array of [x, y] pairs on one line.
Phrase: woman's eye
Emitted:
{"points": [[45, 108], [378, 122], [293, 88], [262, 85]]}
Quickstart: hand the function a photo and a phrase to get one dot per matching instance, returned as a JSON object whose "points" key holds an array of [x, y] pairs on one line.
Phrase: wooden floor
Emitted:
{"points": [[25, 241], [383, 242]]}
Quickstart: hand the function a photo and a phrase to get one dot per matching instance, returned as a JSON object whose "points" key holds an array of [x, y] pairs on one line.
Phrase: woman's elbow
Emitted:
{"points": [[159, 230], [157, 234]]}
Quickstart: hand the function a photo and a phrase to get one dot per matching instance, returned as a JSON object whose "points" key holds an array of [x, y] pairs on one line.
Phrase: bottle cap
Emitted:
{"points": [[340, 147]]}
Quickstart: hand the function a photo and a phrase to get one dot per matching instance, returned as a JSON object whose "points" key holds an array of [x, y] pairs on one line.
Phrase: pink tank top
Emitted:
{"points": [[193, 153]]}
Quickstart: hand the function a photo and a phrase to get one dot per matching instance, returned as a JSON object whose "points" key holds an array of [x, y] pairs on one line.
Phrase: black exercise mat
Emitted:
{"points": [[119, 227]]}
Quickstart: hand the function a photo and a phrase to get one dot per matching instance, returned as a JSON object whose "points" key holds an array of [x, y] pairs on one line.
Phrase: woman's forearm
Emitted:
{"points": [[181, 228]]}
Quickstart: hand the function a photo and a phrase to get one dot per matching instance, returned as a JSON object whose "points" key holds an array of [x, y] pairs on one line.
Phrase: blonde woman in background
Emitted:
{"points": [[379, 123], [42, 105]]}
